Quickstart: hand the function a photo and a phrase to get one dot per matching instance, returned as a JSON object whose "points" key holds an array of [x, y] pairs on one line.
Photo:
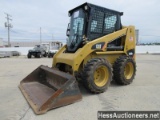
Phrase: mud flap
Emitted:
{"points": [[47, 88]]}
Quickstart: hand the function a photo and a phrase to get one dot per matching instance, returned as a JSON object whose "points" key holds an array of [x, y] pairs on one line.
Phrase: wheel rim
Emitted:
{"points": [[128, 70], [101, 76]]}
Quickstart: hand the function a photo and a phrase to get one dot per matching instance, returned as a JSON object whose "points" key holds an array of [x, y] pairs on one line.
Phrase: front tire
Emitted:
{"points": [[97, 75], [124, 70], [49, 55]]}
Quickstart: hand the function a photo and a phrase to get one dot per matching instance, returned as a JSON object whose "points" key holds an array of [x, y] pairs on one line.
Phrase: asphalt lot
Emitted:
{"points": [[142, 94]]}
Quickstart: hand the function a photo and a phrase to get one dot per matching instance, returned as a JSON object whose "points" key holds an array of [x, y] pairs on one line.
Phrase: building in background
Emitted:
{"points": [[29, 44], [24, 44]]}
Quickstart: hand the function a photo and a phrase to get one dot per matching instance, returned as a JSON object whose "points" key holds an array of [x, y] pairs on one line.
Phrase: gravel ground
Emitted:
{"points": [[142, 94]]}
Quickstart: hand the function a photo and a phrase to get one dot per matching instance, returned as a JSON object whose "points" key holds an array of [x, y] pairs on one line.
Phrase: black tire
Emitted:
{"points": [[93, 82], [49, 56], [39, 55], [29, 55], [45, 55], [124, 70]]}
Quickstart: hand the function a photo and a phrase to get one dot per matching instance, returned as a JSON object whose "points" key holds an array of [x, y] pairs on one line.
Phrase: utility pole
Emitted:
{"points": [[40, 36], [8, 25]]}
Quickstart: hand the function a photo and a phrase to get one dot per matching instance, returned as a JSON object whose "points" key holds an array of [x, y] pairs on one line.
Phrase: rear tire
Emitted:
{"points": [[29, 55], [39, 55], [124, 70], [97, 75]]}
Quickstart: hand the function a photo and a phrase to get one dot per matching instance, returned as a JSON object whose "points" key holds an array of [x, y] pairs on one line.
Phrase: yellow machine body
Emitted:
{"points": [[78, 59]]}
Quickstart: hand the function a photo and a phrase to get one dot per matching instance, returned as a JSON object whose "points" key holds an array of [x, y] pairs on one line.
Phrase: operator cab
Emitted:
{"points": [[88, 22]]}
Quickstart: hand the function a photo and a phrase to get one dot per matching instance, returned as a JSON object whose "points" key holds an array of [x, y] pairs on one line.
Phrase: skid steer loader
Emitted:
{"points": [[98, 50]]}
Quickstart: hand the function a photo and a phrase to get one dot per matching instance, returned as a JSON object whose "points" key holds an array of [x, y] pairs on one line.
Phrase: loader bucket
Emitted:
{"points": [[47, 88]]}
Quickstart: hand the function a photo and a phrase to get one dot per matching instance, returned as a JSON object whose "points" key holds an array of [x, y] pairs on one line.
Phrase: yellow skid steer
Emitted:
{"points": [[98, 50]]}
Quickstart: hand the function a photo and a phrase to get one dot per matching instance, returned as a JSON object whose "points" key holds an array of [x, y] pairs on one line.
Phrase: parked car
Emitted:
{"points": [[38, 51]]}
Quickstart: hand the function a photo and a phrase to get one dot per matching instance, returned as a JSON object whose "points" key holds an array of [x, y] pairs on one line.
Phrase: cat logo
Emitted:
{"points": [[98, 46]]}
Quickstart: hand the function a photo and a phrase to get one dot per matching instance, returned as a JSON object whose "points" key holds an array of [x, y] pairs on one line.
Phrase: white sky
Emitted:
{"points": [[52, 16]]}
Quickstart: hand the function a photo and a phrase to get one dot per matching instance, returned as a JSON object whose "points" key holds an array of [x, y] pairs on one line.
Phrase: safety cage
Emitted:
{"points": [[100, 21]]}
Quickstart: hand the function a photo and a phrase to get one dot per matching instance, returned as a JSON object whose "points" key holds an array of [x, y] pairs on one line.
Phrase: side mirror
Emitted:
{"points": [[68, 30]]}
